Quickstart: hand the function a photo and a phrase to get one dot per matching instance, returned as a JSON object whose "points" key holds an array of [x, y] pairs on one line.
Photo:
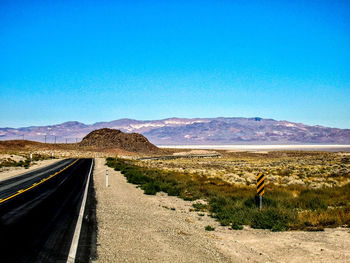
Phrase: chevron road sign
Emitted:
{"points": [[260, 187], [260, 183]]}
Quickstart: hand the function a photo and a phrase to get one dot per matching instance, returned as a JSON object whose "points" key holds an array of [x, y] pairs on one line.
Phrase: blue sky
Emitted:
{"points": [[103, 60]]}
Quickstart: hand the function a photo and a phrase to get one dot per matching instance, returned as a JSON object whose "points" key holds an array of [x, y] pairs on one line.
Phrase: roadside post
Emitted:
{"points": [[107, 178], [31, 157], [260, 185]]}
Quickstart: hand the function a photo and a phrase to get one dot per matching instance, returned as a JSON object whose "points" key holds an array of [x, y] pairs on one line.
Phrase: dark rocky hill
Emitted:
{"points": [[111, 138]]}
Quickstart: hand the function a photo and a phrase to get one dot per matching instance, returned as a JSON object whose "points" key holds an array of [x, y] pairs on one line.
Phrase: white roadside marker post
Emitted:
{"points": [[31, 157], [106, 178]]}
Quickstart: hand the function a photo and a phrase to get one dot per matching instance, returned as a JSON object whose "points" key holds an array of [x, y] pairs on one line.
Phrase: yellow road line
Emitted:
{"points": [[36, 184]]}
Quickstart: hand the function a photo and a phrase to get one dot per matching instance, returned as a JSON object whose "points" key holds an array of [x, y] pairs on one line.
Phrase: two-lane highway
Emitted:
{"points": [[9, 188], [39, 212]]}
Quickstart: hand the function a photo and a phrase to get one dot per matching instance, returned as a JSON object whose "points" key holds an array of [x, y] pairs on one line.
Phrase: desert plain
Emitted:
{"points": [[135, 227]]}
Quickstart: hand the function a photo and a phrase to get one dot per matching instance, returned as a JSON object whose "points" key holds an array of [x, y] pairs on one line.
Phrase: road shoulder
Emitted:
{"points": [[133, 227]]}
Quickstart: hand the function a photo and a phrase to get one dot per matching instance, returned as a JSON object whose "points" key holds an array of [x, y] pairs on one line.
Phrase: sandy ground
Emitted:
{"points": [[8, 172], [14, 157], [252, 245], [133, 227]]}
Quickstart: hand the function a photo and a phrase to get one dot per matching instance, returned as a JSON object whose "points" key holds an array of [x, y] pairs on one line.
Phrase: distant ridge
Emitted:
{"points": [[172, 131]]}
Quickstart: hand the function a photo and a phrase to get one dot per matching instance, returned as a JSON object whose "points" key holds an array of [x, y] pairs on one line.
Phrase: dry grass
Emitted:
{"points": [[309, 169], [284, 207]]}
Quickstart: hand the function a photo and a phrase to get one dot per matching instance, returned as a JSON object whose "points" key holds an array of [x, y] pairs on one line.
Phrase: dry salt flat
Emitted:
{"points": [[291, 147]]}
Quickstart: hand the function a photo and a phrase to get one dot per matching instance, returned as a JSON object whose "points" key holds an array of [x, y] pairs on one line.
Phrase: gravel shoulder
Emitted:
{"points": [[133, 227]]}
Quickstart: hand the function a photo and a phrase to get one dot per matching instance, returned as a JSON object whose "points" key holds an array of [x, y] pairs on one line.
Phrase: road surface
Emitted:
{"points": [[39, 212]]}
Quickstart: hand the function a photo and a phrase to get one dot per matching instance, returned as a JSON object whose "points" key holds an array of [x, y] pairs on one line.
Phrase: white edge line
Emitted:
{"points": [[75, 240]]}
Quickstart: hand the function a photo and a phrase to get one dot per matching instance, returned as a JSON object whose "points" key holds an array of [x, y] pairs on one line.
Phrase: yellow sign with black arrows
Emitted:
{"points": [[260, 184]]}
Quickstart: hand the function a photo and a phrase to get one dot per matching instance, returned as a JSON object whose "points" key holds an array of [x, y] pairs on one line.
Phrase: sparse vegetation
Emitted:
{"points": [[309, 169], [12, 163], [287, 207], [200, 207], [209, 228], [24, 161]]}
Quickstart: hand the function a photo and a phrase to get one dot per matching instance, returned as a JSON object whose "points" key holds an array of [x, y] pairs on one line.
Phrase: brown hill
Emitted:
{"points": [[21, 145], [111, 138]]}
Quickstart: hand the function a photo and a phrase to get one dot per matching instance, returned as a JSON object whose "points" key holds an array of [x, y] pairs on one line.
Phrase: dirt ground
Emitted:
{"points": [[133, 227]]}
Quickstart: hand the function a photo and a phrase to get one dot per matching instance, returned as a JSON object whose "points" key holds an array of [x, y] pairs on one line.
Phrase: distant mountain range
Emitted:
{"points": [[196, 131]]}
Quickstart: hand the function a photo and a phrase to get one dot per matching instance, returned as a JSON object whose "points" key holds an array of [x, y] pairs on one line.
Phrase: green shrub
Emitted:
{"points": [[150, 188], [225, 222], [236, 226], [200, 207], [272, 218], [209, 228]]}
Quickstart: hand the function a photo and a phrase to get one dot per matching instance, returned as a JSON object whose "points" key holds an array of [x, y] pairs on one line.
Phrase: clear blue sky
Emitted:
{"points": [[104, 60]]}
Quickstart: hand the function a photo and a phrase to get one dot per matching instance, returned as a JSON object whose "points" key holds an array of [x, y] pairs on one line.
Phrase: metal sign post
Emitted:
{"points": [[107, 178], [260, 187], [260, 202]]}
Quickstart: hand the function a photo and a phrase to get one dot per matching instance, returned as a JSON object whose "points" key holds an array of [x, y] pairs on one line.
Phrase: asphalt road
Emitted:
{"points": [[39, 211]]}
